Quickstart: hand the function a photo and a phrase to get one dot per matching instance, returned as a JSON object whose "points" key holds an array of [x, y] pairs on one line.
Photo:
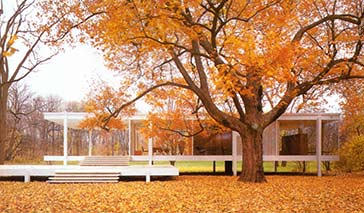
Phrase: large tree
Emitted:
{"points": [[19, 107], [231, 53]]}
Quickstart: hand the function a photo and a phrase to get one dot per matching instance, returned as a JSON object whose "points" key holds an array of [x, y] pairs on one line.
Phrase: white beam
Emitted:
{"points": [[192, 143], [150, 151], [90, 142], [129, 136], [309, 116], [277, 136], [318, 144], [65, 139], [235, 152], [277, 142], [147, 176], [27, 177]]}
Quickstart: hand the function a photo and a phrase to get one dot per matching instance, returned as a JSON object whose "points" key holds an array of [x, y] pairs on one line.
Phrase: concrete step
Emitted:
{"points": [[105, 161], [107, 157], [87, 175], [102, 159], [86, 172], [83, 178], [115, 161], [102, 164], [82, 181]]}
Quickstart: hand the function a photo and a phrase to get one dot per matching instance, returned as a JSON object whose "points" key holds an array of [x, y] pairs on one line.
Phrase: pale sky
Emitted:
{"points": [[69, 74]]}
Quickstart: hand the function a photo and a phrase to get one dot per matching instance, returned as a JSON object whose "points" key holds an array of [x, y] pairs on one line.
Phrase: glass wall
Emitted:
{"points": [[215, 144], [330, 137], [269, 140], [139, 142], [297, 137]]}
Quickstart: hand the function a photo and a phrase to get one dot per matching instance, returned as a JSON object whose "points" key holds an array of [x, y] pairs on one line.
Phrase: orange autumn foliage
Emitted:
{"points": [[229, 54], [102, 99], [176, 117], [351, 149], [353, 108]]}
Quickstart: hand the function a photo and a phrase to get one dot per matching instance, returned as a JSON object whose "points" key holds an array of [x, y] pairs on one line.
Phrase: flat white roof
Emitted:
{"points": [[309, 116], [74, 118]]}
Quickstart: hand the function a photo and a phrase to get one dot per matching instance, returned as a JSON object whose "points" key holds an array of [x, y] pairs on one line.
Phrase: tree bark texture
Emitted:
{"points": [[252, 145], [3, 128]]}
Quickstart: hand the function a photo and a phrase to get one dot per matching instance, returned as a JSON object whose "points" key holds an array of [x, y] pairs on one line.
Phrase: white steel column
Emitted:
{"points": [[147, 176], [277, 136], [65, 139], [192, 145], [235, 152], [27, 177], [277, 141], [90, 142], [150, 151], [129, 139], [192, 140], [318, 144]]}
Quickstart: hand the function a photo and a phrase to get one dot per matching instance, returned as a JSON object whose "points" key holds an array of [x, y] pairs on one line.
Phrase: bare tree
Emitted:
{"points": [[17, 29], [20, 107], [25, 34]]}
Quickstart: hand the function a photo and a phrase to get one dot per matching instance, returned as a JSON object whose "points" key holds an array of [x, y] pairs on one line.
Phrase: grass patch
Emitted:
{"points": [[207, 166]]}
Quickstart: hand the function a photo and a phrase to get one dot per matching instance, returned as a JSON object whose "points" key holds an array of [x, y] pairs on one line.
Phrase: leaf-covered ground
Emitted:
{"points": [[189, 194]]}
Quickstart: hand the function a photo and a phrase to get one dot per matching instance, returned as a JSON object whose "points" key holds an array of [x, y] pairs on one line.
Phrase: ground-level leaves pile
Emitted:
{"points": [[189, 194]]}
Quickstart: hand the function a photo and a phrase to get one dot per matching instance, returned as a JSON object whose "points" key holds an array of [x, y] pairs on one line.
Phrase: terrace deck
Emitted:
{"points": [[28, 171]]}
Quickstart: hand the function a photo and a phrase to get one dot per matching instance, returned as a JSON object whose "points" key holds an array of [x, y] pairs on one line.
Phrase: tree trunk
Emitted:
{"points": [[2, 137], [252, 168], [3, 129]]}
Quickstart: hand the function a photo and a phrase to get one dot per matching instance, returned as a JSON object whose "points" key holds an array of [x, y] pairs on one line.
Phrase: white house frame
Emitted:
{"points": [[71, 120]]}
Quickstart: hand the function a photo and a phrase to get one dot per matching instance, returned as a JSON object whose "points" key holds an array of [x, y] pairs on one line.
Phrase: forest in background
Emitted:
{"points": [[30, 136]]}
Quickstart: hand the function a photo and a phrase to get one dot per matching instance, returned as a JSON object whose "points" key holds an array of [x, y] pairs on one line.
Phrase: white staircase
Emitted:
{"points": [[94, 169], [85, 176]]}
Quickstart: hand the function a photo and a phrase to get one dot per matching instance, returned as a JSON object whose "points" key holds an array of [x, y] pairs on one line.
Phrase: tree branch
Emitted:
{"points": [[199, 66], [118, 110], [184, 72], [238, 107], [348, 18]]}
